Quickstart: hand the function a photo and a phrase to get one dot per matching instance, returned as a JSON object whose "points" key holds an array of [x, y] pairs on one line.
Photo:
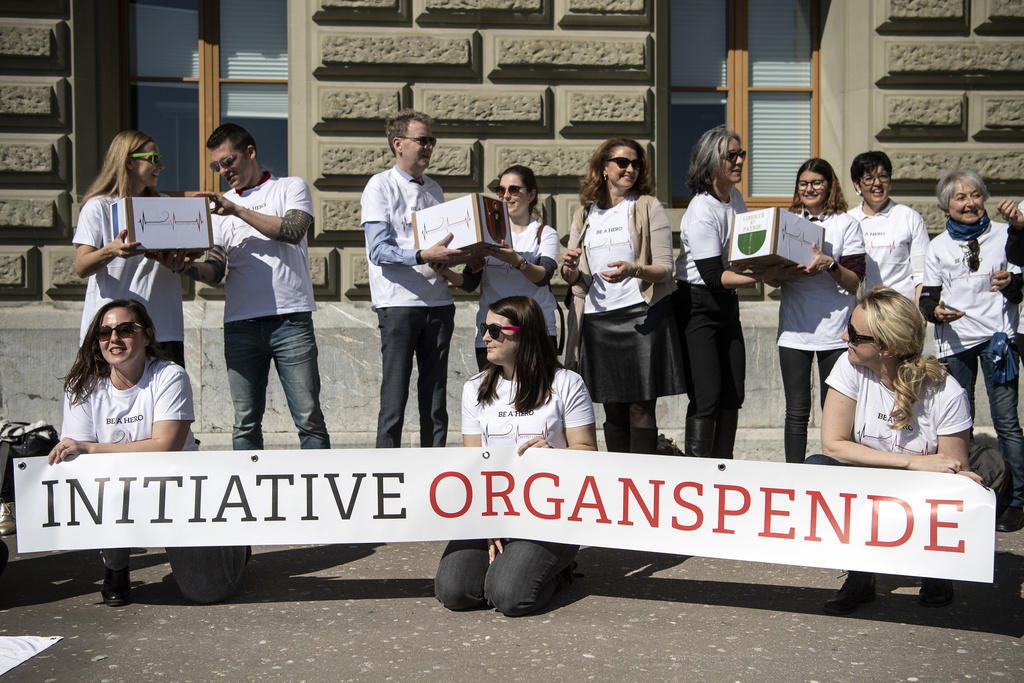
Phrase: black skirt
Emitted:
{"points": [[632, 354]]}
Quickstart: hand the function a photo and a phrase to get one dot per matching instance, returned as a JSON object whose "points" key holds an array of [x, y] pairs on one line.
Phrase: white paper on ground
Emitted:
{"points": [[16, 649]]}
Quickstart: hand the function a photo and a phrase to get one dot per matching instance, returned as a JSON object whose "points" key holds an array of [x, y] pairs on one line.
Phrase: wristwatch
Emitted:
{"points": [[833, 267], [524, 264]]}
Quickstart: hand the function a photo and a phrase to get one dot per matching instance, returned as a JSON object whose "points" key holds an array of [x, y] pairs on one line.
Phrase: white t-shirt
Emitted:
{"points": [[895, 242], [392, 199], [987, 312], [814, 310], [608, 239], [704, 232], [500, 424], [265, 276], [135, 277], [501, 279], [941, 411], [109, 415]]}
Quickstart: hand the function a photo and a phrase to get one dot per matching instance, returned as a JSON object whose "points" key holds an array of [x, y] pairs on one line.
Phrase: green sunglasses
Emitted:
{"points": [[154, 158]]}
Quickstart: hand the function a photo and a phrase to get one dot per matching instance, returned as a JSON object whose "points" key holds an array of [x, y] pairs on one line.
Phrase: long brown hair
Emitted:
{"points": [[898, 327], [594, 187], [536, 361], [90, 366], [835, 202], [113, 176]]}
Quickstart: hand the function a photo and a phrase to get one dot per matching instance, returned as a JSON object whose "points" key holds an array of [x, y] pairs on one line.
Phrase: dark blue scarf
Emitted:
{"points": [[962, 232]]}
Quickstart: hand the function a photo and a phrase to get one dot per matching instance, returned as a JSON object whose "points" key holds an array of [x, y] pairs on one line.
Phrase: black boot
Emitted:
{"points": [[117, 587], [725, 434], [1012, 519], [935, 592], [643, 440], [616, 438], [795, 443], [858, 589], [700, 437]]}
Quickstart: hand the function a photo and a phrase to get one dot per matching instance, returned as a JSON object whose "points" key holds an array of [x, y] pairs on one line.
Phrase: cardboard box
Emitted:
{"points": [[771, 236], [164, 223], [473, 220]]}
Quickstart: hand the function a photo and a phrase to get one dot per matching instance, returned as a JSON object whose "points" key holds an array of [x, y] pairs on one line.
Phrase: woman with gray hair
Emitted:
{"points": [[971, 296], [707, 309]]}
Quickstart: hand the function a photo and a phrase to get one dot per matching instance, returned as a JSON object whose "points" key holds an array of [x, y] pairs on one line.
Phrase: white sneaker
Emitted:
{"points": [[7, 524]]}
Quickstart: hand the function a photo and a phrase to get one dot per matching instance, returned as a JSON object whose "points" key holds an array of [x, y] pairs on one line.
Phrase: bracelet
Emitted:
{"points": [[636, 273]]}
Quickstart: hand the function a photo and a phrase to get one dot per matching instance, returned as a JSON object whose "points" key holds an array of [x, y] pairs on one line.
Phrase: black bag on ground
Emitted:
{"points": [[21, 440]]}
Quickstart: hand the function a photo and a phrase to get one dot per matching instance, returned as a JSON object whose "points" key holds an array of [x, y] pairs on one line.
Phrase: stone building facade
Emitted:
{"points": [[934, 83]]}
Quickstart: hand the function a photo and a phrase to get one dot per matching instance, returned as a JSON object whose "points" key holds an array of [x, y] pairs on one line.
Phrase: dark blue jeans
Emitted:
{"points": [[1002, 404], [521, 580], [424, 333], [288, 340]]}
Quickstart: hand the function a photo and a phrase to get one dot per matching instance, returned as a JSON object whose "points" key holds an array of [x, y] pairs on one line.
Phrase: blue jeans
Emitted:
{"points": [[1002, 404], [249, 346], [423, 332], [521, 580]]}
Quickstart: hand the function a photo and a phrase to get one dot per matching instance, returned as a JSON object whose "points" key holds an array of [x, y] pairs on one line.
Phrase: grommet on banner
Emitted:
{"points": [[721, 467], [485, 455], [22, 465], [255, 458]]}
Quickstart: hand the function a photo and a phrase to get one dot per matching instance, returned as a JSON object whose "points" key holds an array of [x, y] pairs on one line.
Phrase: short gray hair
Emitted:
{"points": [[953, 177], [706, 158]]}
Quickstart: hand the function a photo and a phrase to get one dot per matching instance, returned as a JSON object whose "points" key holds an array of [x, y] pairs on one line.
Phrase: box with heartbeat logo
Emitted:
{"points": [[474, 221], [768, 237], [164, 223]]}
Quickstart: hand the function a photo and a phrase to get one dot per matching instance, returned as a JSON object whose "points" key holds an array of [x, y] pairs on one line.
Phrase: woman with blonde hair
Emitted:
{"points": [[889, 406], [116, 269], [620, 328]]}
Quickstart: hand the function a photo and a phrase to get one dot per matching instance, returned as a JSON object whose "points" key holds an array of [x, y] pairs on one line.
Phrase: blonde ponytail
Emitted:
{"points": [[913, 377]]}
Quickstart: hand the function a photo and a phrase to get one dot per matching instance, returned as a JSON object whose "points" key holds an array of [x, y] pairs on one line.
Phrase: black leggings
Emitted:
{"points": [[715, 354], [796, 371]]}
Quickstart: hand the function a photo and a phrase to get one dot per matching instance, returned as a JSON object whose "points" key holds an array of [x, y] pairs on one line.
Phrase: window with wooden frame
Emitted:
{"points": [[752, 64], [193, 64]]}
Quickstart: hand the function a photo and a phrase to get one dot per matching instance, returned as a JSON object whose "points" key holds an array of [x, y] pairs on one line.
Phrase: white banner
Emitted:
{"points": [[911, 523]]}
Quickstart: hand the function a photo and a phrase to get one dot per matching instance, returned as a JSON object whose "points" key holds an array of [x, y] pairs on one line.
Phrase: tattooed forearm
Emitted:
{"points": [[211, 270], [294, 226]]}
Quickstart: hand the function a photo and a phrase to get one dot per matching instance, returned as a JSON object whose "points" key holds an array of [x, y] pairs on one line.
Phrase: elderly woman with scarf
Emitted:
{"points": [[971, 296]]}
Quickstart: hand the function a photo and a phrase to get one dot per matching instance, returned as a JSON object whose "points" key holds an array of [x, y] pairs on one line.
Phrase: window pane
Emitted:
{"points": [[692, 114], [253, 39], [262, 109], [165, 40], [780, 43], [169, 112], [699, 43], [780, 140]]}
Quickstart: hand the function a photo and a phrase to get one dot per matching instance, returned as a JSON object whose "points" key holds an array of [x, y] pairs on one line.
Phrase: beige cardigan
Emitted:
{"points": [[651, 233]]}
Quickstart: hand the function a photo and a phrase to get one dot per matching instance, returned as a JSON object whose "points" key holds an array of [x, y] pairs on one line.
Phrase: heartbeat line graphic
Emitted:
{"points": [[797, 237], [512, 433], [446, 224], [170, 220]]}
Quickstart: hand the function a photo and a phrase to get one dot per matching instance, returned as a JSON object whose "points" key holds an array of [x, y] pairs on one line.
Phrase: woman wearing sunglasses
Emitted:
{"points": [[114, 266], [620, 329], [122, 396], [524, 400], [525, 267], [972, 296], [816, 299], [889, 406]]}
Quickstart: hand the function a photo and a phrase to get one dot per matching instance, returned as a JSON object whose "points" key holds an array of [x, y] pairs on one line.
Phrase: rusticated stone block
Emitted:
{"points": [[359, 4], [12, 270], [25, 100], [19, 272], [28, 47], [607, 6], [357, 109], [610, 13], [402, 55], [1006, 8], [348, 166], [338, 215], [62, 270], [925, 9], [607, 107], [925, 16], [924, 111], [345, 12], [59, 278], [33, 161], [923, 168], [546, 161], [355, 273], [323, 271], [26, 157], [500, 5], [457, 109], [22, 40], [602, 58], [933, 217], [501, 13], [954, 63], [1004, 112], [26, 213]]}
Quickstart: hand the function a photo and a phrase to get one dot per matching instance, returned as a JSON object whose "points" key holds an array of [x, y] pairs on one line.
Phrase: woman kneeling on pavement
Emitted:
{"points": [[549, 408], [929, 421], [120, 372]]}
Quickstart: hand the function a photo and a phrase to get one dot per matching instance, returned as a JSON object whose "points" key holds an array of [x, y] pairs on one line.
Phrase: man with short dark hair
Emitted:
{"points": [[415, 311], [260, 227]]}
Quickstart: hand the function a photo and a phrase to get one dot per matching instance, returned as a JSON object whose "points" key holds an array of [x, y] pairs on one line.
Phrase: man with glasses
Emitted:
{"points": [[260, 228], [415, 311]]}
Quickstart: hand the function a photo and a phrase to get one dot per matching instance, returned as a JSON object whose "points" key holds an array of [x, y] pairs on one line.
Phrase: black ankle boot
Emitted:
{"points": [[1011, 520], [858, 589], [700, 437], [616, 438], [725, 434], [935, 592], [117, 587]]}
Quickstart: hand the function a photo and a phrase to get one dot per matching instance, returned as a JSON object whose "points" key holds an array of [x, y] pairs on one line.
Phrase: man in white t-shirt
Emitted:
{"points": [[415, 311], [260, 227]]}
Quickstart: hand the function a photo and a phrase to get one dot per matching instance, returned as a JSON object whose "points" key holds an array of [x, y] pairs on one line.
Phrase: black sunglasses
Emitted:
{"points": [[857, 338], [733, 155], [124, 331], [623, 162], [973, 255], [495, 329], [225, 163], [423, 140]]}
